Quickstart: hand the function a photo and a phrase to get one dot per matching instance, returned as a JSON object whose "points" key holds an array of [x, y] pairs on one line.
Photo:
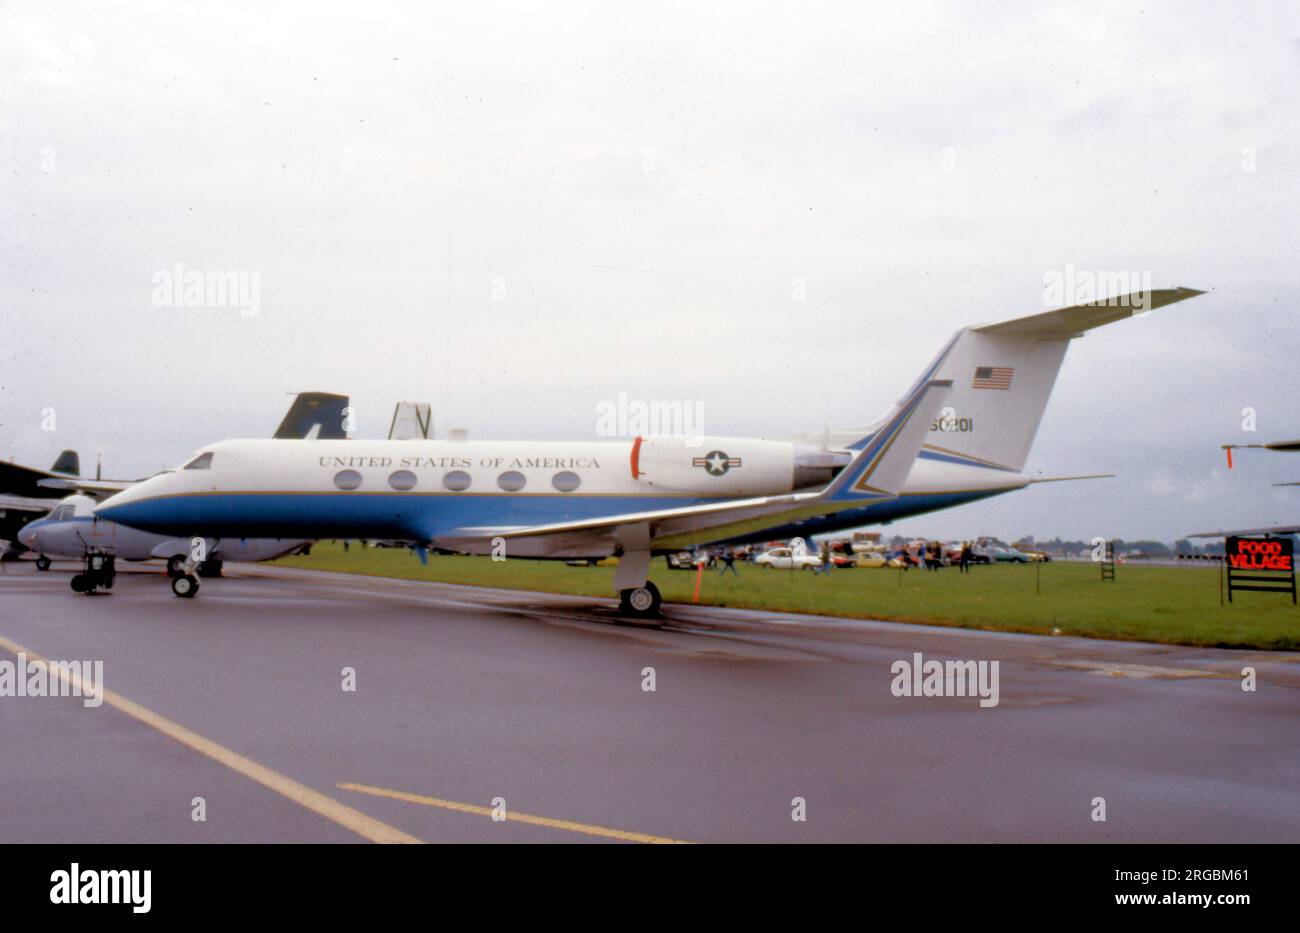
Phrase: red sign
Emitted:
{"points": [[1261, 554]]}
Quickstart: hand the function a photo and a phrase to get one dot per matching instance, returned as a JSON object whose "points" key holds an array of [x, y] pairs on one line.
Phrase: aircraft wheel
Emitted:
{"points": [[176, 565], [82, 583], [641, 601], [43, 563], [210, 568], [185, 586]]}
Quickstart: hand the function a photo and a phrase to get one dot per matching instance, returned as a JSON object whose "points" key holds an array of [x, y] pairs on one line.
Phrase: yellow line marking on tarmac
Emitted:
{"points": [[512, 815], [318, 803]]}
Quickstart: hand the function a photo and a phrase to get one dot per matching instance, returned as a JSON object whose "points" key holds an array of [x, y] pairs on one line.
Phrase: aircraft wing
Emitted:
{"points": [[1275, 530], [27, 481], [103, 487], [26, 504], [877, 472]]}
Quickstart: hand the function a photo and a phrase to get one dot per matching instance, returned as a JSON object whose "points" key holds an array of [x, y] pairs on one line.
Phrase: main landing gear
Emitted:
{"points": [[100, 571], [638, 597], [642, 602]]}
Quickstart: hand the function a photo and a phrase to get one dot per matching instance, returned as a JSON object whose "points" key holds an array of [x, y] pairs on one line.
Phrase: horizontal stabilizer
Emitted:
{"points": [[1067, 479], [1073, 321]]}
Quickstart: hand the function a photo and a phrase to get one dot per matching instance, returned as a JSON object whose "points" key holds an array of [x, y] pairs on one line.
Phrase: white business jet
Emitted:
{"points": [[961, 433]]}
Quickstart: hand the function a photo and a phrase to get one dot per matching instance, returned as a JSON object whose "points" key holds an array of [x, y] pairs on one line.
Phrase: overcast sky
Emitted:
{"points": [[517, 211]]}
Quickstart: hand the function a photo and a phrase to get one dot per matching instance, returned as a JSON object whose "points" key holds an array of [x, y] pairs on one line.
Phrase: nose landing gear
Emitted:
{"points": [[99, 574], [185, 585]]}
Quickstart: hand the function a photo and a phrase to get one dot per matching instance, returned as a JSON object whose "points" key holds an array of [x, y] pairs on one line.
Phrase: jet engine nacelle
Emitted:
{"points": [[730, 466]]}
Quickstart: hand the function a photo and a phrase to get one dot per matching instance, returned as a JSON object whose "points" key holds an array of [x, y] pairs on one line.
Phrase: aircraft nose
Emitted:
{"points": [[115, 505], [139, 506], [27, 537]]}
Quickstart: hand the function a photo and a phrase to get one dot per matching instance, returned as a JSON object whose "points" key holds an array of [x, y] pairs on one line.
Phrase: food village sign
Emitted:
{"points": [[1263, 564]]}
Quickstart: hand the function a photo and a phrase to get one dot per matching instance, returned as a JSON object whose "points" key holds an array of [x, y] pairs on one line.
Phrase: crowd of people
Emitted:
{"points": [[928, 555], [931, 556]]}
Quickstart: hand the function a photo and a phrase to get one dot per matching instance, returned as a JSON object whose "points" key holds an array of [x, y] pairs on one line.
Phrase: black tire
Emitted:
{"points": [[210, 568], [185, 586], [642, 602], [81, 583], [43, 562], [175, 565]]}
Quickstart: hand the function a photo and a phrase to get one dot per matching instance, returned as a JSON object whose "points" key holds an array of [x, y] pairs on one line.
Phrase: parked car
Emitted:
{"points": [[877, 559], [999, 554], [782, 558], [683, 560], [953, 553]]}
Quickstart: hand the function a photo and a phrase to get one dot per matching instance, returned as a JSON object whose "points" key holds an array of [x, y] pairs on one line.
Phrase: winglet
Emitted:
{"points": [[881, 466]]}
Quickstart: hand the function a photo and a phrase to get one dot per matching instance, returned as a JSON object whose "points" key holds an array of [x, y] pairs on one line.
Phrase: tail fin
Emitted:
{"points": [[68, 463], [317, 415], [1003, 374], [880, 468]]}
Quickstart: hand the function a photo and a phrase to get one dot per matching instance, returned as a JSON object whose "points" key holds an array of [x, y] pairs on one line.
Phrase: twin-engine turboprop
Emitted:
{"points": [[72, 529], [961, 433]]}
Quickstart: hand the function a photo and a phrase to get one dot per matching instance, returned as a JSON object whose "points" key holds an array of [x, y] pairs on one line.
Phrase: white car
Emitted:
{"points": [[783, 558]]}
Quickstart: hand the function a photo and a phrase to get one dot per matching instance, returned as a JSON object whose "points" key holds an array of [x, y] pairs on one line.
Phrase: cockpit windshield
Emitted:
{"points": [[202, 462]]}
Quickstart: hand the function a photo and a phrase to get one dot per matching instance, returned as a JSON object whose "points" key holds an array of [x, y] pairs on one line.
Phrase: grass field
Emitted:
{"points": [[1178, 605]]}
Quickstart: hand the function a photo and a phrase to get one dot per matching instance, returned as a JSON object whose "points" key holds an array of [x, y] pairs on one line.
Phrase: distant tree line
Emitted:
{"points": [[1063, 548]]}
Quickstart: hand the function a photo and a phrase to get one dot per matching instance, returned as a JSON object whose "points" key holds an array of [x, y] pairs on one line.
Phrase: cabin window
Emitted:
{"points": [[347, 480], [202, 462], [511, 480], [456, 480], [567, 481], [402, 480]]}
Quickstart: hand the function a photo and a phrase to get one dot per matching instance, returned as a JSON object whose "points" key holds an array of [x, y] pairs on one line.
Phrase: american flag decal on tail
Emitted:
{"points": [[992, 377]]}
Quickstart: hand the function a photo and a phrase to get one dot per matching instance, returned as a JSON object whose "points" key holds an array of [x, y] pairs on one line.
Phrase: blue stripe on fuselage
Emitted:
{"points": [[404, 516], [414, 517]]}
